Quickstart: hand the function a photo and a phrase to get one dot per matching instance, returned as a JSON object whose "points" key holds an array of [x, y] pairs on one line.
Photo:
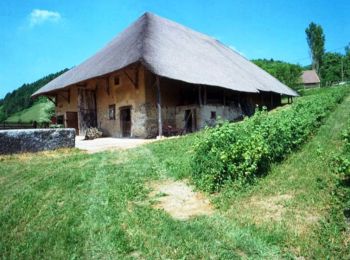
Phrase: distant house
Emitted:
{"points": [[310, 79], [159, 76]]}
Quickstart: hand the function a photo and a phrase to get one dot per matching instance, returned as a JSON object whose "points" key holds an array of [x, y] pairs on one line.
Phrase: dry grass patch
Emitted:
{"points": [[279, 208], [269, 208], [179, 200]]}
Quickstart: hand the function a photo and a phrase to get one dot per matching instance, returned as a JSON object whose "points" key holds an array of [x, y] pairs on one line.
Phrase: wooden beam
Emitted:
{"points": [[205, 95], [66, 98], [52, 100], [159, 106], [134, 82], [84, 84], [107, 86]]}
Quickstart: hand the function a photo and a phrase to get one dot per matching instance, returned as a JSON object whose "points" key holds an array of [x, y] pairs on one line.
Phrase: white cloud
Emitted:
{"points": [[38, 16]]}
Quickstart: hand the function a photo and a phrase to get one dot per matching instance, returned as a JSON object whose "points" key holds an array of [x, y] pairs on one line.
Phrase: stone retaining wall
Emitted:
{"points": [[34, 140]]}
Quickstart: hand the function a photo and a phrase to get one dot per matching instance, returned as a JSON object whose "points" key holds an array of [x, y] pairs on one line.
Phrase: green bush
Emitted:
{"points": [[341, 162], [241, 151]]}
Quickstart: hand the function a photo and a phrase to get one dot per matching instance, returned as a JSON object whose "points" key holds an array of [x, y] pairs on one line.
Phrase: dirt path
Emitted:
{"points": [[179, 200]]}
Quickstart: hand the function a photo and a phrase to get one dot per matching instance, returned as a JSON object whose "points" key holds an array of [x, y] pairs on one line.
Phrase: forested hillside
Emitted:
{"points": [[20, 98]]}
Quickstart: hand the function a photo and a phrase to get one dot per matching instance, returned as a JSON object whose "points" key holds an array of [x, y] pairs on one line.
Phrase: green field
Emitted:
{"points": [[38, 112], [69, 204]]}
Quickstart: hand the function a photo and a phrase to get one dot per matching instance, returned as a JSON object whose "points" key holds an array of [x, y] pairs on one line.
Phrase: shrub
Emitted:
{"points": [[341, 162], [241, 151]]}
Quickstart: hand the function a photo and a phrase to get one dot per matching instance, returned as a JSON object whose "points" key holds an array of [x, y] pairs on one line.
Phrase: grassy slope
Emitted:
{"points": [[37, 112], [307, 226], [97, 206]]}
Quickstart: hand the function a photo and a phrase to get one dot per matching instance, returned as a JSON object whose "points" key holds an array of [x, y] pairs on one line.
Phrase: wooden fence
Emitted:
{"points": [[7, 126]]}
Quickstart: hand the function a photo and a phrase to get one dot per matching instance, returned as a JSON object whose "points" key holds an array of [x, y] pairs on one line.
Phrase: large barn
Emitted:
{"points": [[159, 77]]}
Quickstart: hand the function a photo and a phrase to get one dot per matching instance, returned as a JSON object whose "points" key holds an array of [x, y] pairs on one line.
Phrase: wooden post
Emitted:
{"points": [[271, 100], [199, 96], [107, 86], [159, 106], [224, 97], [205, 95], [68, 96]]}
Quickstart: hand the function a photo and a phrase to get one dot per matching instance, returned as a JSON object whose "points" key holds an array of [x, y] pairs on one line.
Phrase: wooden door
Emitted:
{"points": [[87, 116], [125, 121], [72, 121]]}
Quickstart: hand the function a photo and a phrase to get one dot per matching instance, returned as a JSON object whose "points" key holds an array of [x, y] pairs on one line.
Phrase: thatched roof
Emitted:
{"points": [[171, 50], [310, 77]]}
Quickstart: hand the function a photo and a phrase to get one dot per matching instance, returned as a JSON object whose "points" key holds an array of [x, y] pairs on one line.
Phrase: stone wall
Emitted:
{"points": [[34, 140]]}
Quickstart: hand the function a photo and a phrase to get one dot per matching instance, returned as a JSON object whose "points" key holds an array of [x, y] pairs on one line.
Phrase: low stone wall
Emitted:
{"points": [[34, 140]]}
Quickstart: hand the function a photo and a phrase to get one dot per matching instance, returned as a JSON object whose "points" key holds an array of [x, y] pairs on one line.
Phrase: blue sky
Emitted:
{"points": [[41, 37]]}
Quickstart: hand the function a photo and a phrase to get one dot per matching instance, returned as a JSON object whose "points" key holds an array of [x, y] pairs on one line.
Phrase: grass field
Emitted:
{"points": [[68, 204], [38, 112]]}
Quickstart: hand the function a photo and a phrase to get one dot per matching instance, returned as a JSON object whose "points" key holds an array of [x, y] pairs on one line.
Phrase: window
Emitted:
{"points": [[111, 112], [213, 115], [116, 80], [60, 120]]}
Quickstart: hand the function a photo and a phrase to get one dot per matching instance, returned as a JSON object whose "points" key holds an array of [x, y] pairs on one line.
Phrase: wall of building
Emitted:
{"points": [[312, 85], [66, 101], [122, 94], [138, 91], [178, 97]]}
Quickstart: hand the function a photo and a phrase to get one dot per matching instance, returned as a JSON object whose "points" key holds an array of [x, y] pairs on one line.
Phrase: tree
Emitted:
{"points": [[20, 98], [346, 62], [316, 40], [287, 73], [331, 69]]}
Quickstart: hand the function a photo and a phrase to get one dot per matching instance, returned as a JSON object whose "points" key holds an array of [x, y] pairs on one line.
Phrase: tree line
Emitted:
{"points": [[287, 73], [332, 67], [20, 98]]}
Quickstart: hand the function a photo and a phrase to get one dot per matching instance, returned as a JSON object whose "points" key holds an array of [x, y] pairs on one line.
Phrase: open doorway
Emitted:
{"points": [[190, 120], [72, 121], [125, 121]]}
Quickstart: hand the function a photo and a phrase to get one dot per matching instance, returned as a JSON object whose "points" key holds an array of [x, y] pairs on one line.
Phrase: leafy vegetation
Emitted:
{"points": [[316, 41], [240, 152], [69, 204], [331, 67], [341, 162], [302, 202], [285, 72], [335, 67], [20, 98]]}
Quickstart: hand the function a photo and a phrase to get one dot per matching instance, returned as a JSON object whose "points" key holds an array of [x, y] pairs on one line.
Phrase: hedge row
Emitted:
{"points": [[241, 151], [341, 162]]}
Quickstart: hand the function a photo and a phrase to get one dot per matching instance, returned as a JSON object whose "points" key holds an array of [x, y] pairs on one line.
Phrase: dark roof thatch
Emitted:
{"points": [[171, 50], [310, 77]]}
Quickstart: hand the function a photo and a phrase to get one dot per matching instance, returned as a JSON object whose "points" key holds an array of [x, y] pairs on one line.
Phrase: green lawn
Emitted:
{"points": [[38, 112], [68, 204]]}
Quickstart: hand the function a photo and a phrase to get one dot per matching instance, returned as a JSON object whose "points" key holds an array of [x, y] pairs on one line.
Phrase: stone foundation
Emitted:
{"points": [[175, 116], [35, 140]]}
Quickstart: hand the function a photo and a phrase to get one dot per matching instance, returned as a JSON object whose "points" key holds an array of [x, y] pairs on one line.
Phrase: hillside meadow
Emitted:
{"points": [[39, 112], [70, 204]]}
